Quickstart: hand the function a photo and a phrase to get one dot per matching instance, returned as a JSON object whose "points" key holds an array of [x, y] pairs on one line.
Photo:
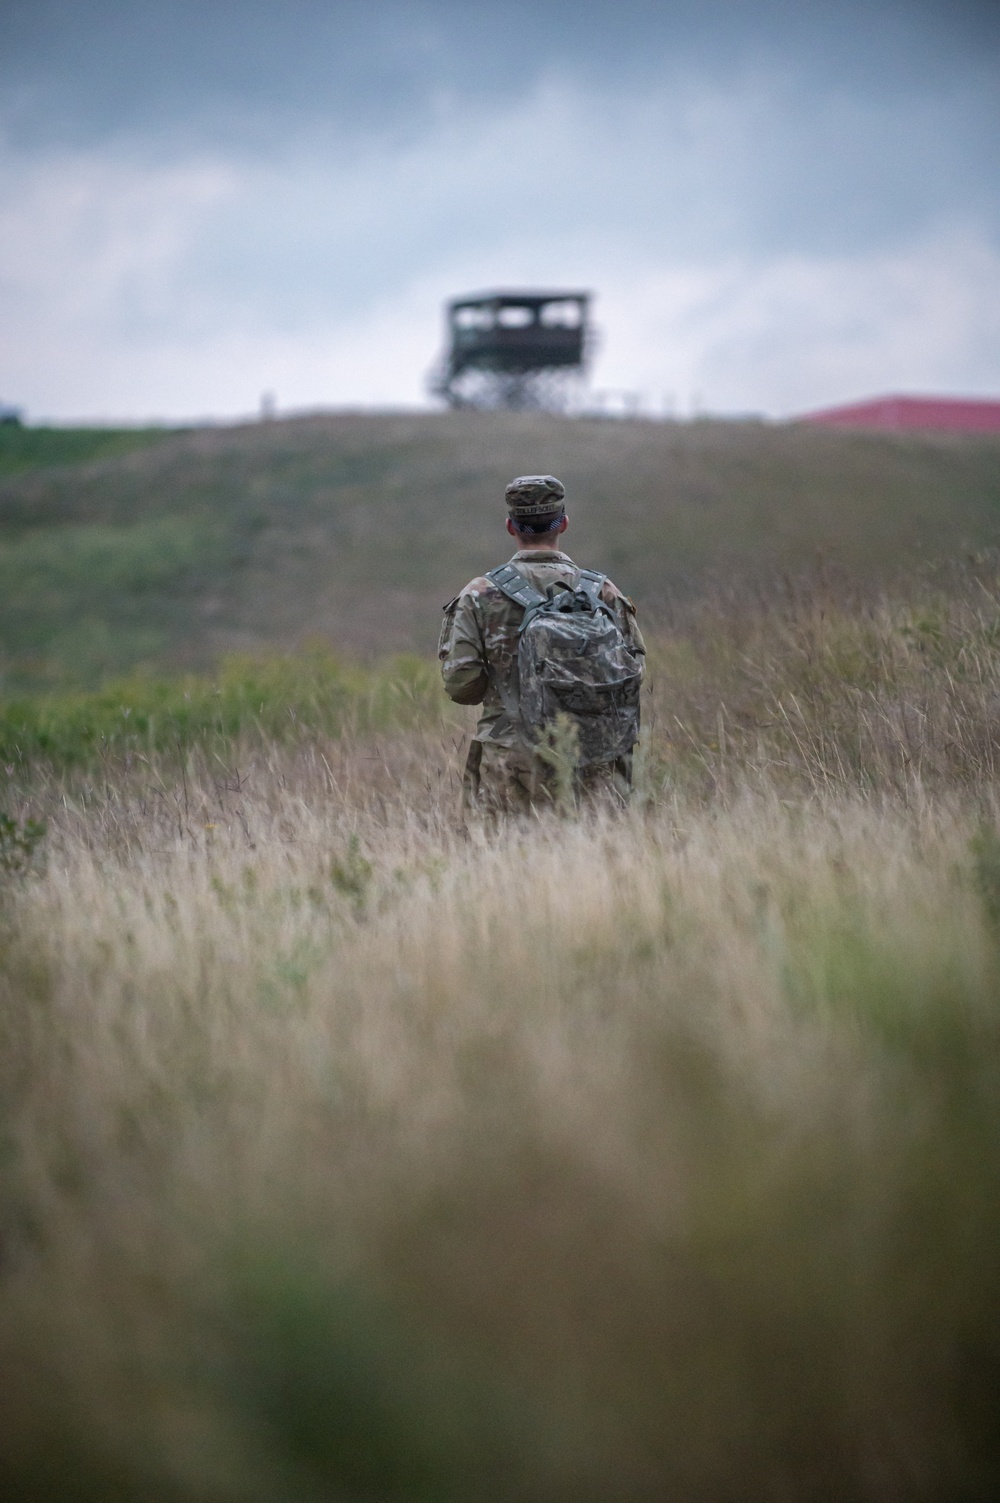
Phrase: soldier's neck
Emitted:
{"points": [[549, 546]]}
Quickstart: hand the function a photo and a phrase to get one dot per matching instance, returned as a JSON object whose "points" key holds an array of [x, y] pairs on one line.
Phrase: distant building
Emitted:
{"points": [[514, 349], [927, 414]]}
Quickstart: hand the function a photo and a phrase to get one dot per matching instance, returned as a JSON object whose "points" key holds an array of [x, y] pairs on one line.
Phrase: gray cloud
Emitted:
{"points": [[249, 188], [227, 69]]}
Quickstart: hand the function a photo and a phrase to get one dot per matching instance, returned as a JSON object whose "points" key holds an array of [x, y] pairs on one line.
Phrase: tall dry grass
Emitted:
{"points": [[350, 1154], [818, 688]]}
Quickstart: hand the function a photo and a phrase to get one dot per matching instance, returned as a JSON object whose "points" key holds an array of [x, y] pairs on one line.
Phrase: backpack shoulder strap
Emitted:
{"points": [[592, 583], [516, 587]]}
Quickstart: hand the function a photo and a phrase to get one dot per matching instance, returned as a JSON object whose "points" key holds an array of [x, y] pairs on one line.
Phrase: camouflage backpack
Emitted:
{"points": [[573, 658]]}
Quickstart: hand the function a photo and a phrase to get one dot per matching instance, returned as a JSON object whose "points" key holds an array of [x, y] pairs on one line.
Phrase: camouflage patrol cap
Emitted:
{"points": [[535, 498]]}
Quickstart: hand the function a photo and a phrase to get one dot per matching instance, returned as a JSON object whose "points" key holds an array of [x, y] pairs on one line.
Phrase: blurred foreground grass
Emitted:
{"points": [[346, 1158], [346, 1153]]}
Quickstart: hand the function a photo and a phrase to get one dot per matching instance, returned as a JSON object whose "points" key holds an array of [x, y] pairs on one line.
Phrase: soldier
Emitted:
{"points": [[508, 770]]}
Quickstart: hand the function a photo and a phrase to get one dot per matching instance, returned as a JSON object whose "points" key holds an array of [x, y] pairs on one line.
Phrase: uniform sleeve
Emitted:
{"points": [[631, 627], [625, 616], [462, 653]]}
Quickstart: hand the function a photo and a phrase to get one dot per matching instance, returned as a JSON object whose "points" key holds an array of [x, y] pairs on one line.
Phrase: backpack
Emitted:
{"points": [[574, 659]]}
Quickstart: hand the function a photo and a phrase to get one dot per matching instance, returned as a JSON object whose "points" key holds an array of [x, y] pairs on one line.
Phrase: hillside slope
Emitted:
{"points": [[170, 550]]}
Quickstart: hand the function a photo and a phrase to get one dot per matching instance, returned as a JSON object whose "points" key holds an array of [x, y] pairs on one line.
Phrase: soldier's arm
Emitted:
{"points": [[625, 615], [632, 629], [462, 653]]}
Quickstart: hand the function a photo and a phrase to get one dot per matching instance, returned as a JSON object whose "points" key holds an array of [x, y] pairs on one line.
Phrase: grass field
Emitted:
{"points": [[350, 1152], [24, 449], [121, 551]]}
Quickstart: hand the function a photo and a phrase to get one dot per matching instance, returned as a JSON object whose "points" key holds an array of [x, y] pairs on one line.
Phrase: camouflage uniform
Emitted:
{"points": [[478, 653]]}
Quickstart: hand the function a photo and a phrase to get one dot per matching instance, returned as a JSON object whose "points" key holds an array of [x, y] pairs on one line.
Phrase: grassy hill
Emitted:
{"points": [[140, 547]]}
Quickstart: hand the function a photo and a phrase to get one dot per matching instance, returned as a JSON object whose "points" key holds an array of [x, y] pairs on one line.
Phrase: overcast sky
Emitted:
{"points": [[778, 205]]}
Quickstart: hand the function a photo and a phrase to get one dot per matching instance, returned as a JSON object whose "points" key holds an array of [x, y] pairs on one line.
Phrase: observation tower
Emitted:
{"points": [[521, 351]]}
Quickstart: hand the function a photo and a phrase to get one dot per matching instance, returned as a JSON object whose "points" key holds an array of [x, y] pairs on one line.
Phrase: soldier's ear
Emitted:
{"points": [[511, 528], [563, 524]]}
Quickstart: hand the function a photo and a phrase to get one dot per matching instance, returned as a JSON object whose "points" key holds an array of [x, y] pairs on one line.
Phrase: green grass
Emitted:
{"points": [[259, 699], [23, 448], [357, 528], [81, 602]]}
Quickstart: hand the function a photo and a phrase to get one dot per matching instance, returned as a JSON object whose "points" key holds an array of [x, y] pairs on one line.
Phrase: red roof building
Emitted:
{"points": [[895, 414]]}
